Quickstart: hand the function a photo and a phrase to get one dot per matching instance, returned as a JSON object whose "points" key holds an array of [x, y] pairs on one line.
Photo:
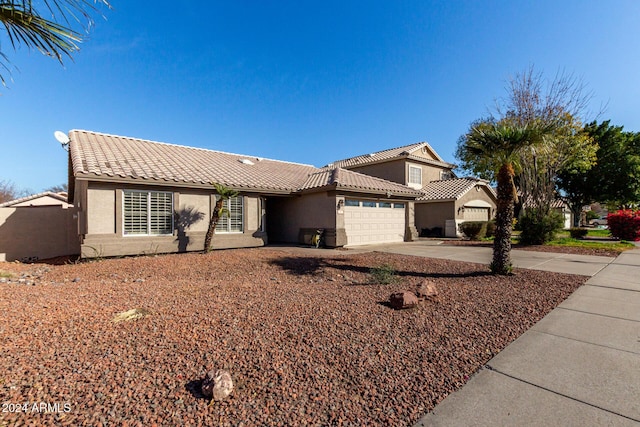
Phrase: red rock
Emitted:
{"points": [[403, 300], [427, 290], [217, 384]]}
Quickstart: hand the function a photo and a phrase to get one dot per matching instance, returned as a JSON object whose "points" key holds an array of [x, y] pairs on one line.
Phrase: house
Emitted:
{"points": [[46, 198], [448, 203], [135, 196], [36, 227], [130, 196], [446, 200]]}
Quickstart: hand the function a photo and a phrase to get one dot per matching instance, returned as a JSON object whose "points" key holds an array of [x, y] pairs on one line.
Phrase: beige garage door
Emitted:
{"points": [[368, 222], [476, 214]]}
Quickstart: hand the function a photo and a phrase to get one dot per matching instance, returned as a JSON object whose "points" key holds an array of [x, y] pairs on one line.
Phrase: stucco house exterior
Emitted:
{"points": [[446, 200], [36, 227], [130, 196], [135, 196]]}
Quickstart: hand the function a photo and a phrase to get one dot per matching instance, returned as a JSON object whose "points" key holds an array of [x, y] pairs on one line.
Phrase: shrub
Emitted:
{"points": [[474, 230], [491, 229], [383, 274], [578, 233], [591, 215], [539, 227], [625, 224]]}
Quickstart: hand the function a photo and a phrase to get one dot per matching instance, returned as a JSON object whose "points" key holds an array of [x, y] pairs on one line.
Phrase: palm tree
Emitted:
{"points": [[224, 194], [499, 144], [54, 36]]}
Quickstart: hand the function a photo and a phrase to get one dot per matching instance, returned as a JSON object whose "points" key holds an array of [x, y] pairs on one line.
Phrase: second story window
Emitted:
{"points": [[415, 175], [446, 175]]}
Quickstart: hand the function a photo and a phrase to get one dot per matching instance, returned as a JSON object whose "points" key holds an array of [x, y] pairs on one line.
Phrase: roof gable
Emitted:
{"points": [[452, 189], [420, 151], [343, 179], [47, 198]]}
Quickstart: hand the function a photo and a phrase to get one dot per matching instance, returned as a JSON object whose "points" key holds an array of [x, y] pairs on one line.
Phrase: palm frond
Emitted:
{"points": [[54, 31]]}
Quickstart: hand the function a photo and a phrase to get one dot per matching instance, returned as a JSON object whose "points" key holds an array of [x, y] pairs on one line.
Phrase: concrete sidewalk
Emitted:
{"points": [[578, 366]]}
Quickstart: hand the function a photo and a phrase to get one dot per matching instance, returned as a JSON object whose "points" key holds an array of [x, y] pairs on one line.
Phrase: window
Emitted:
{"points": [[398, 205], [384, 205], [351, 202], [147, 213], [444, 175], [231, 223], [369, 204], [415, 175]]}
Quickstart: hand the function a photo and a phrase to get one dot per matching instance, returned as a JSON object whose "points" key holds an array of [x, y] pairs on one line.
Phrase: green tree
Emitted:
{"points": [[224, 193], [615, 177], [53, 27], [557, 105], [496, 147]]}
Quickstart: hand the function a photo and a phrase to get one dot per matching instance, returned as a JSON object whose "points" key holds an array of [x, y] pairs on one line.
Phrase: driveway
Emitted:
{"points": [[585, 265]]}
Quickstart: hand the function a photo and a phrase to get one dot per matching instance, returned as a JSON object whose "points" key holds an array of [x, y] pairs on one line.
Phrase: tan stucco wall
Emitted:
{"points": [[101, 211], [195, 210], [391, 171], [483, 194], [104, 236], [38, 232]]}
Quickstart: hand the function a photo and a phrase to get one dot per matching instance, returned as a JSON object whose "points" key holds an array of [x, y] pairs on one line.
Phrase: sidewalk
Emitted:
{"points": [[578, 366]]}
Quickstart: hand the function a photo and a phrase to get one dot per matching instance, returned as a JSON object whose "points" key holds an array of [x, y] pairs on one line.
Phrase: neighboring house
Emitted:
{"points": [[559, 205], [446, 201], [446, 204], [37, 227], [46, 198], [136, 196]]}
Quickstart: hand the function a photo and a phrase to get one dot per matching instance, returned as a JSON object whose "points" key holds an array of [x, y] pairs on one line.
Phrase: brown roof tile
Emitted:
{"points": [[391, 154], [104, 156], [451, 189], [343, 179]]}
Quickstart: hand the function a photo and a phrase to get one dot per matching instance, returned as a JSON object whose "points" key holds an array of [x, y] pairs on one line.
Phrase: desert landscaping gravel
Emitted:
{"points": [[308, 340]]}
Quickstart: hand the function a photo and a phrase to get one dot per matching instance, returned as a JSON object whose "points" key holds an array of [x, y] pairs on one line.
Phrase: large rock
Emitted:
{"points": [[427, 290], [217, 384], [403, 300]]}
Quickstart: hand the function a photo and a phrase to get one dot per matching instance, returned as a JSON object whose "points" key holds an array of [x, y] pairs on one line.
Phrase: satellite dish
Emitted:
{"points": [[61, 137]]}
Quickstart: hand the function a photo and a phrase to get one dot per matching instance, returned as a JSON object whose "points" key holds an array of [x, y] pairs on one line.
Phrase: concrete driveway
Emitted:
{"points": [[585, 265]]}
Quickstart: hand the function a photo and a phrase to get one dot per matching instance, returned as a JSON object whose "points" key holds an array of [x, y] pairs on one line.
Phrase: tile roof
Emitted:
{"points": [[451, 189], [405, 151], [103, 156], [57, 196], [106, 157], [348, 180]]}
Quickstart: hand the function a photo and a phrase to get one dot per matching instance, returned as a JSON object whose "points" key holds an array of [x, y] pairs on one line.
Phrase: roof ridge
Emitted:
{"points": [[35, 196], [377, 152], [190, 147]]}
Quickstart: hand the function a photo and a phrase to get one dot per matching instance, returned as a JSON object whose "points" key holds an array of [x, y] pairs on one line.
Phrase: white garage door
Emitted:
{"points": [[368, 222], [476, 214]]}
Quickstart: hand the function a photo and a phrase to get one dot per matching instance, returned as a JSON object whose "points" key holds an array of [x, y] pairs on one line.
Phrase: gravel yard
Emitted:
{"points": [[308, 340]]}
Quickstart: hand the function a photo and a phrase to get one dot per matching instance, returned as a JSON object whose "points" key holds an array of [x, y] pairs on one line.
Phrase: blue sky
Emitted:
{"points": [[308, 82]]}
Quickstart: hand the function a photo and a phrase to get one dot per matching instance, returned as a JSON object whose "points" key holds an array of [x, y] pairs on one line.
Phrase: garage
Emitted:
{"points": [[474, 213], [368, 222]]}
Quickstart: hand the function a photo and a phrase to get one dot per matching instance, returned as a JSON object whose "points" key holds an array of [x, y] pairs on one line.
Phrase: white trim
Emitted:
{"points": [[411, 184]]}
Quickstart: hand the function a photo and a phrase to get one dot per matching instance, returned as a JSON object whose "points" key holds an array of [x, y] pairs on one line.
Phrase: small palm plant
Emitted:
{"points": [[224, 194]]}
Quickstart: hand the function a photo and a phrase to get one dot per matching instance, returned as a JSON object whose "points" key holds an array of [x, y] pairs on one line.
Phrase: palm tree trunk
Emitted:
{"points": [[501, 263], [213, 222]]}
